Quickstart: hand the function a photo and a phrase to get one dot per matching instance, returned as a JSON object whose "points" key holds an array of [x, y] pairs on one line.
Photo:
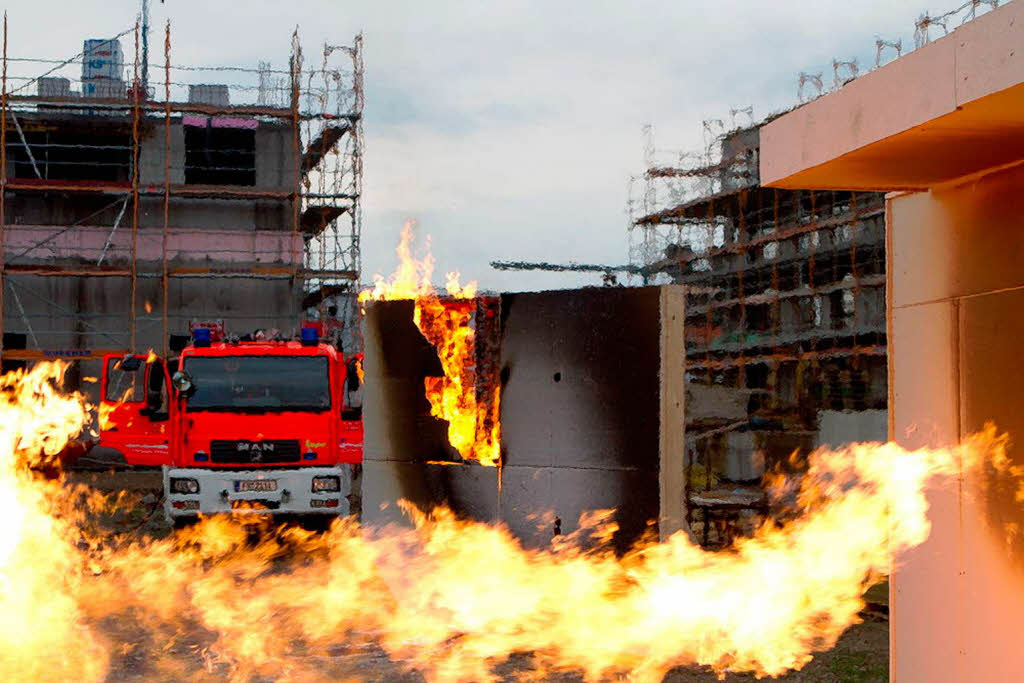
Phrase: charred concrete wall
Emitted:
{"points": [[582, 403]]}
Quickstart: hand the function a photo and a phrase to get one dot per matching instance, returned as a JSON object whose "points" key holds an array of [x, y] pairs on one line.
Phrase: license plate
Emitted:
{"points": [[255, 485]]}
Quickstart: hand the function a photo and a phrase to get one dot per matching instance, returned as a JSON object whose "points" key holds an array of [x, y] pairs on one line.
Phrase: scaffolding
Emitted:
{"points": [[110, 168], [786, 300], [785, 317]]}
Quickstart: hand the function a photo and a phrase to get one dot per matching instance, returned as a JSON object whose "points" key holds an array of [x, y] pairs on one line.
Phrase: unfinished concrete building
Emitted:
{"points": [[785, 317], [134, 205]]}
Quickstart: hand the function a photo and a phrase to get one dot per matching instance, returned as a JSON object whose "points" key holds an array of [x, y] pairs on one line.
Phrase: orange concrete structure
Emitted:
{"points": [[942, 129]]}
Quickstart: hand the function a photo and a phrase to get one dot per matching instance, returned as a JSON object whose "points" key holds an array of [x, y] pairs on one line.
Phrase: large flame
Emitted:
{"points": [[449, 598], [448, 324], [42, 631]]}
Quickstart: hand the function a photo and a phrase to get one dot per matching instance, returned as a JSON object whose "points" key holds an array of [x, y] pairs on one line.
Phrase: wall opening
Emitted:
{"points": [[220, 156]]}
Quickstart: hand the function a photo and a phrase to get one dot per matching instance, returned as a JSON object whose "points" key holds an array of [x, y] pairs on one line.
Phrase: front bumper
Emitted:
{"points": [[292, 495]]}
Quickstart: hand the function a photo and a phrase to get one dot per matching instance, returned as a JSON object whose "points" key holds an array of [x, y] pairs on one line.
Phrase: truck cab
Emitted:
{"points": [[135, 411], [250, 426]]}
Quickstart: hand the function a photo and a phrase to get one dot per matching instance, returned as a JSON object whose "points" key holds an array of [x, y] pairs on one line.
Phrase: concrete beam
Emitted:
{"points": [[949, 109]]}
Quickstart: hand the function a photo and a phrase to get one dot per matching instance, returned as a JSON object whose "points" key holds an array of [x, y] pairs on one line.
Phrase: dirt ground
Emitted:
{"points": [[861, 656]]}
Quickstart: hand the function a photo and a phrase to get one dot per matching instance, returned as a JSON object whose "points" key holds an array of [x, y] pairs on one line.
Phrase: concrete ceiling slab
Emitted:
{"points": [[950, 109]]}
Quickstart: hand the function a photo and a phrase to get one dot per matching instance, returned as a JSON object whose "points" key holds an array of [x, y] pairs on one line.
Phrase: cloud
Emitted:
{"points": [[509, 129]]}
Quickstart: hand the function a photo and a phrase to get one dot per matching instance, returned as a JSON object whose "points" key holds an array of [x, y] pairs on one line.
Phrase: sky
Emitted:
{"points": [[508, 130]]}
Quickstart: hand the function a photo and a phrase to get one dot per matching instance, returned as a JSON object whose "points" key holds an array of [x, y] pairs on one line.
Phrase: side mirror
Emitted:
{"points": [[153, 401], [183, 382]]}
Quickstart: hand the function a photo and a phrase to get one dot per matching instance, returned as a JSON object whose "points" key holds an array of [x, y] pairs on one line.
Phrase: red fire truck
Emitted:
{"points": [[261, 426]]}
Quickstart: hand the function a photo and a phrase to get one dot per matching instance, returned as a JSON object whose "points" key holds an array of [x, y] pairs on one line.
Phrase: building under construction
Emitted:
{"points": [[140, 195], [785, 315]]}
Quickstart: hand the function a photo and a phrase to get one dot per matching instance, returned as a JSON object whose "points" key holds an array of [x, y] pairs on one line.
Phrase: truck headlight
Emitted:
{"points": [[184, 486], [326, 484]]}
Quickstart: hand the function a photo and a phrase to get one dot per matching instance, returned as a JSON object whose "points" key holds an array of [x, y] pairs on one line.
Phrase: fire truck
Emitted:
{"points": [[259, 426]]}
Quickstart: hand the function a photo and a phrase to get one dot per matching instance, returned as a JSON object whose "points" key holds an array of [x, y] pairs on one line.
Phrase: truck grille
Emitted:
{"points": [[258, 452]]}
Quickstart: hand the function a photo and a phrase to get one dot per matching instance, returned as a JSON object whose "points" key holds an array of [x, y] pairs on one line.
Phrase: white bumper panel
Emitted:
{"points": [[292, 495]]}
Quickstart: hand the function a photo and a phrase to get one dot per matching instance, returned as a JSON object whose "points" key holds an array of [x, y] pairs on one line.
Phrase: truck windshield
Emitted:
{"points": [[259, 383]]}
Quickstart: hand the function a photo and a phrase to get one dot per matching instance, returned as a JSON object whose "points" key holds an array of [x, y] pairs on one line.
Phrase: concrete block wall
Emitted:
{"points": [[591, 410]]}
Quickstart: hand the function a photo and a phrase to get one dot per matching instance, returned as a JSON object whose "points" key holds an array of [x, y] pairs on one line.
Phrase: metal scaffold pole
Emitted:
{"points": [[357, 158], [164, 284], [3, 182], [135, 194], [296, 75]]}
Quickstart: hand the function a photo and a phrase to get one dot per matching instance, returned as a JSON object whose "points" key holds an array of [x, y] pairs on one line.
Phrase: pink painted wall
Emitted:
{"points": [[183, 244]]}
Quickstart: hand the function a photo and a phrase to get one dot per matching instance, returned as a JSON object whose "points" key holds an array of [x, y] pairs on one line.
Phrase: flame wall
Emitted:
{"points": [[584, 393]]}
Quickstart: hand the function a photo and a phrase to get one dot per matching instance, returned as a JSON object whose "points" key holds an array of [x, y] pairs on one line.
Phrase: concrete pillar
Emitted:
{"points": [[957, 321]]}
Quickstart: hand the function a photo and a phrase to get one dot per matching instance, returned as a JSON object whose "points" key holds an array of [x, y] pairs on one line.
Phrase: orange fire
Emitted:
{"points": [[360, 373], [106, 409], [449, 598], [40, 572], [447, 323]]}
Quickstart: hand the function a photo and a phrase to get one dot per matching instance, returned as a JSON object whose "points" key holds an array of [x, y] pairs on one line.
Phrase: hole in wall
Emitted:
{"points": [[558, 377]]}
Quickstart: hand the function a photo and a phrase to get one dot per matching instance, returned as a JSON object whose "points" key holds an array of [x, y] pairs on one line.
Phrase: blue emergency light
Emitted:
{"points": [[201, 336], [309, 336]]}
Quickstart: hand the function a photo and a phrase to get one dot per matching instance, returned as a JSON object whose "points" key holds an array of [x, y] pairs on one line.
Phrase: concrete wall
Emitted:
{"points": [[92, 313], [202, 233], [836, 428], [91, 244], [275, 172], [152, 154], [957, 319], [591, 415], [275, 155]]}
